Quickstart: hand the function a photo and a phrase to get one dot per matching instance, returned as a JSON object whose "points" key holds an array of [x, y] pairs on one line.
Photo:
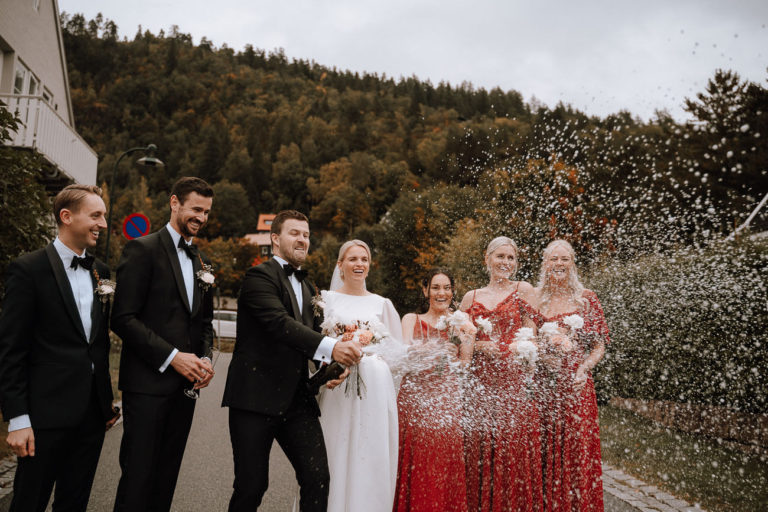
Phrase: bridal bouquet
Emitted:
{"points": [[366, 332]]}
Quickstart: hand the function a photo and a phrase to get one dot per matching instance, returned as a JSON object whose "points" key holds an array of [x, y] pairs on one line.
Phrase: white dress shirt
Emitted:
{"points": [[188, 273], [325, 349], [82, 290]]}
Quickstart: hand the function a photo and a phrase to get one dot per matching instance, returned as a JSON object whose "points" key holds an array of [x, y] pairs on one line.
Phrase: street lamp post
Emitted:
{"points": [[149, 160]]}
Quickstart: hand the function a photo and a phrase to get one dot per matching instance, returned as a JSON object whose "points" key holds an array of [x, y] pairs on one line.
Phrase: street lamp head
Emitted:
{"points": [[150, 160]]}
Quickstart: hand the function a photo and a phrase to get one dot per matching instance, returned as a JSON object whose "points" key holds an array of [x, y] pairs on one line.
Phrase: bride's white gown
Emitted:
{"points": [[361, 433]]}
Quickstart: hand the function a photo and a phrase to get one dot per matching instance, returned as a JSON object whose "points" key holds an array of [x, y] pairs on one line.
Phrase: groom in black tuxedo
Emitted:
{"points": [[54, 359], [267, 389], [163, 312]]}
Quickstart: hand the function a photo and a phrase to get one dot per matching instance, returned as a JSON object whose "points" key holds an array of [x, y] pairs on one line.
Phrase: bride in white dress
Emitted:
{"points": [[359, 416]]}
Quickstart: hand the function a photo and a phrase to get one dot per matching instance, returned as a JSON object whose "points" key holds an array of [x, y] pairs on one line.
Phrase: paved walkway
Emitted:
{"points": [[205, 480]]}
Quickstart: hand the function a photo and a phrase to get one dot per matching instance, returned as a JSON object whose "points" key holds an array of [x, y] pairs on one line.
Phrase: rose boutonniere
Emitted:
{"points": [[318, 304], [205, 277], [105, 288]]}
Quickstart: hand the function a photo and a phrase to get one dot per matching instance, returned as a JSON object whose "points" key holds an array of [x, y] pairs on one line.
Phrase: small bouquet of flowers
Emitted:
{"points": [[456, 322], [527, 352], [556, 336], [484, 325]]}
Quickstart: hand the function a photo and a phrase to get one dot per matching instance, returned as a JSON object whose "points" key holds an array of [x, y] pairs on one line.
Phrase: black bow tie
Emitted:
{"points": [[191, 250], [85, 262], [299, 273]]}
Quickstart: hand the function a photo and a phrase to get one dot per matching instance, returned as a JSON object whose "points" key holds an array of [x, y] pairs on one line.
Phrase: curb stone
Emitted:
{"points": [[624, 493]]}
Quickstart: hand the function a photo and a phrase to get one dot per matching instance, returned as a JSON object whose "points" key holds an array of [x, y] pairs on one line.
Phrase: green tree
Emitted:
{"points": [[28, 222], [231, 214]]}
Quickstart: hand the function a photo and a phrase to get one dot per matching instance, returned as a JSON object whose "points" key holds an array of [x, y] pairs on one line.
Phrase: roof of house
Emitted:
{"points": [[265, 221]]}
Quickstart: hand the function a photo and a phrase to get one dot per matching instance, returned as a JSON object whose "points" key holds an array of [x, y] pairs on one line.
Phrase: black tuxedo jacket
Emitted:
{"points": [[47, 366], [152, 316], [274, 342]]}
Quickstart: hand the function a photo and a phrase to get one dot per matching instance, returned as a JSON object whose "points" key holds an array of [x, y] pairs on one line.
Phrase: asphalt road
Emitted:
{"points": [[205, 480]]}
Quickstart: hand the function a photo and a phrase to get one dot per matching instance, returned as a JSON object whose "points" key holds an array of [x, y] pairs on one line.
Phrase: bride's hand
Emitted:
{"points": [[333, 383]]}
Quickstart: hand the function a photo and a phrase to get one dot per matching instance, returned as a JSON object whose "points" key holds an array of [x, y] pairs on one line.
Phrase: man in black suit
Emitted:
{"points": [[54, 359], [267, 388], [163, 312]]}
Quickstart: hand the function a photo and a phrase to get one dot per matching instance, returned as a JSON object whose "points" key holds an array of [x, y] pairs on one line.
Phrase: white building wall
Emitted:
{"points": [[32, 35]]}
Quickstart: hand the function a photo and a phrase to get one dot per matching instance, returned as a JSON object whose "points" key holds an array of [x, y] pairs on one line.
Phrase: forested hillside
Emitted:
{"points": [[426, 173]]}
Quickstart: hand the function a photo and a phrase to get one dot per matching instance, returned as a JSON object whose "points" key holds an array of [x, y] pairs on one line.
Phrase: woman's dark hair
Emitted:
{"points": [[427, 282]]}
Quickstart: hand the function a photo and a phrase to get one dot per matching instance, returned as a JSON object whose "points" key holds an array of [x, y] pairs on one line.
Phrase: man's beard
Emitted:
{"points": [[295, 262], [185, 232]]}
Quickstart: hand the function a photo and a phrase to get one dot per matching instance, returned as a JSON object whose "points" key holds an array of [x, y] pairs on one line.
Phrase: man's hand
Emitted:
{"points": [[208, 376], [114, 418], [192, 367], [335, 382], [22, 442], [346, 352]]}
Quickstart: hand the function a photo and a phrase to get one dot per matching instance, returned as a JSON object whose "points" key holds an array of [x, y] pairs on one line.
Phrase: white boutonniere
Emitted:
{"points": [[205, 277], [105, 288]]}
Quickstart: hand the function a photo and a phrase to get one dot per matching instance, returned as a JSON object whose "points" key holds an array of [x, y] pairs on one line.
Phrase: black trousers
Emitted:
{"points": [[299, 435], [67, 457], [155, 431]]}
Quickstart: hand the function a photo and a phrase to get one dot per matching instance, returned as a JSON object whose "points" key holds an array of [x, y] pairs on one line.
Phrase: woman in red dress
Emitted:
{"points": [[574, 341], [429, 406], [502, 422]]}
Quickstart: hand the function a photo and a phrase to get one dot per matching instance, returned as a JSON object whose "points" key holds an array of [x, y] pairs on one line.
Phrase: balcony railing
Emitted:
{"points": [[44, 130]]}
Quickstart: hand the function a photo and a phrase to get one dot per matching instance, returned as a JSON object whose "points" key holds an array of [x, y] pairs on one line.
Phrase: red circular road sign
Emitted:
{"points": [[135, 225]]}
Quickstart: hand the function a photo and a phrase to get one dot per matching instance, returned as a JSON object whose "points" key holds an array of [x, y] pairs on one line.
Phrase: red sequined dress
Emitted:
{"points": [[431, 449], [570, 432], [503, 449]]}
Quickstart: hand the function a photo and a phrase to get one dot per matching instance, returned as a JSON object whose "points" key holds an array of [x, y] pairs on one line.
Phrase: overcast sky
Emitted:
{"points": [[599, 56]]}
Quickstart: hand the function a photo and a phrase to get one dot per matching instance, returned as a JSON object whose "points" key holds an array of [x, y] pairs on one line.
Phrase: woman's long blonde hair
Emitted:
{"points": [[574, 286]]}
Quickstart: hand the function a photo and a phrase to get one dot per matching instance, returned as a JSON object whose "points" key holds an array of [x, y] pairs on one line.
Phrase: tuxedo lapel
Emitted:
{"points": [[170, 250], [308, 312], [96, 308], [65, 288], [287, 284], [196, 289]]}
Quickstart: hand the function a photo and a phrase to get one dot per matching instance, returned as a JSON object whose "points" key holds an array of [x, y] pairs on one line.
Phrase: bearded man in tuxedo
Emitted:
{"points": [[163, 312], [54, 358], [267, 390]]}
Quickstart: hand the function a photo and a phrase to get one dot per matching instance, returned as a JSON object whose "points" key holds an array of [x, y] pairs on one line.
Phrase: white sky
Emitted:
{"points": [[599, 56]]}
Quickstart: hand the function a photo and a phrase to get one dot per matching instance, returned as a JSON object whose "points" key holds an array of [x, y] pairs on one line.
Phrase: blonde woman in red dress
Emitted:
{"points": [[574, 340], [429, 405], [502, 422]]}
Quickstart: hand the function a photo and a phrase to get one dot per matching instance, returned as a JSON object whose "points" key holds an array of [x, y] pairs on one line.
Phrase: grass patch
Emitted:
{"points": [[695, 468]]}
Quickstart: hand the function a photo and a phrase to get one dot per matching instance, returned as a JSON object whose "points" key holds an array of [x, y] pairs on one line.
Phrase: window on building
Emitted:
{"points": [[18, 82], [47, 95], [33, 86]]}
